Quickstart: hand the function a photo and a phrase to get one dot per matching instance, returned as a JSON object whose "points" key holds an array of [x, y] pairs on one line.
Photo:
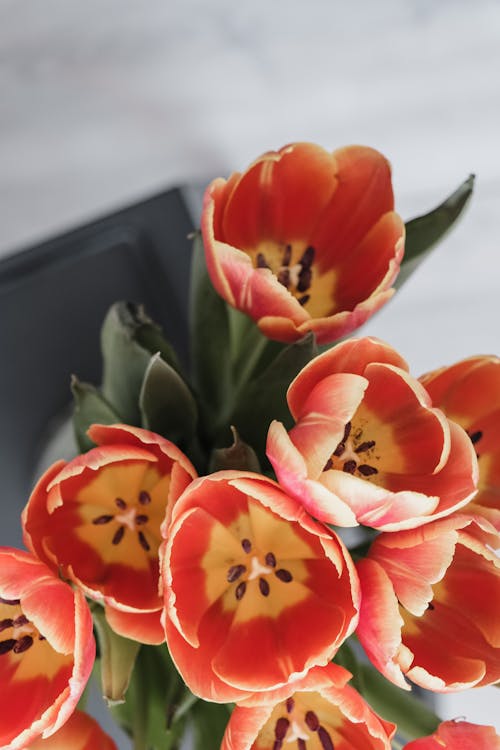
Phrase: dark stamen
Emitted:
{"points": [[304, 299], [281, 727], [23, 644], [349, 466], [246, 544], [284, 575], [141, 519], [430, 606], [144, 497], [9, 601], [7, 623], [312, 721], [261, 261], [476, 436], [367, 470], [118, 535], [339, 450], [305, 278], [307, 257], [328, 465], [143, 541], [278, 744], [270, 560], [301, 744], [234, 572], [347, 432], [365, 446], [290, 703], [42, 638], [100, 520], [287, 255], [264, 587], [6, 646], [284, 277], [120, 502], [240, 590], [325, 739], [21, 620]]}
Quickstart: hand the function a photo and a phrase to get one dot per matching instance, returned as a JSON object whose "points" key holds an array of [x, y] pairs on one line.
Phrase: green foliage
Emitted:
{"points": [[423, 232], [89, 407]]}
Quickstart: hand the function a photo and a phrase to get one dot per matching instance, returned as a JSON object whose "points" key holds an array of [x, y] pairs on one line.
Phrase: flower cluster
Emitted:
{"points": [[222, 574]]}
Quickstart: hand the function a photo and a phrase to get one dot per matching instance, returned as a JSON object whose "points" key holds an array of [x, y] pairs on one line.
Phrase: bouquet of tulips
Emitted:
{"points": [[285, 543]]}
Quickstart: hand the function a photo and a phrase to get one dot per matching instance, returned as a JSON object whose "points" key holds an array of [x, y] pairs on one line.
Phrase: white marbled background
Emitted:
{"points": [[104, 102]]}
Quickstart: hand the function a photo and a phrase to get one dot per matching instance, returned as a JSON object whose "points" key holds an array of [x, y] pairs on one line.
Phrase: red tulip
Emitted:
{"points": [[46, 649], [430, 605], [97, 519], [305, 240], [256, 591], [81, 732], [318, 711], [469, 394], [458, 735], [368, 447]]}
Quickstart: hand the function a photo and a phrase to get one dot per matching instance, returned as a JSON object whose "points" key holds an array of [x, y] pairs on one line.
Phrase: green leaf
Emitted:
{"points": [[423, 232], [89, 408], [413, 717], [154, 693], [209, 336], [167, 406], [117, 658], [128, 339], [264, 398], [239, 456], [209, 723]]}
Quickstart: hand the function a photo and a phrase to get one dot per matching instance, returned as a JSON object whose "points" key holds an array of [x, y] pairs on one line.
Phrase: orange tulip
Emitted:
{"points": [[458, 735], [97, 520], [368, 447], [317, 712], [256, 591], [81, 732], [46, 649], [305, 240], [431, 605], [469, 394]]}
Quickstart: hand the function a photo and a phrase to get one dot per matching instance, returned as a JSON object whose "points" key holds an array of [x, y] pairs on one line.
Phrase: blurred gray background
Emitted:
{"points": [[105, 102]]}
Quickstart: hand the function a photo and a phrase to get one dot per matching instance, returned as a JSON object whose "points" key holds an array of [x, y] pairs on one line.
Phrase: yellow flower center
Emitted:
{"points": [[305, 721]]}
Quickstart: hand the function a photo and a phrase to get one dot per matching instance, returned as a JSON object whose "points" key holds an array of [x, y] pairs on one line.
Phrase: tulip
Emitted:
{"points": [[431, 605], [368, 447], [46, 649], [81, 732], [256, 591], [469, 394], [305, 240], [319, 711], [458, 735], [97, 520]]}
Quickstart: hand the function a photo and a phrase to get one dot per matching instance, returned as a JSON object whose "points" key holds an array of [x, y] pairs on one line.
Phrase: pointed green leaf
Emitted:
{"points": [[423, 232], [413, 717], [166, 403], [89, 408], [128, 339], [210, 335], [264, 398], [117, 658]]}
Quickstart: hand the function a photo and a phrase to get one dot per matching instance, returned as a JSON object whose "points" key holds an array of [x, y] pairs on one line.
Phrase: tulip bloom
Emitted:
{"points": [[97, 520], [431, 606], [317, 711], [458, 735], [256, 591], [469, 393], [81, 732], [46, 649], [368, 447], [305, 240]]}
